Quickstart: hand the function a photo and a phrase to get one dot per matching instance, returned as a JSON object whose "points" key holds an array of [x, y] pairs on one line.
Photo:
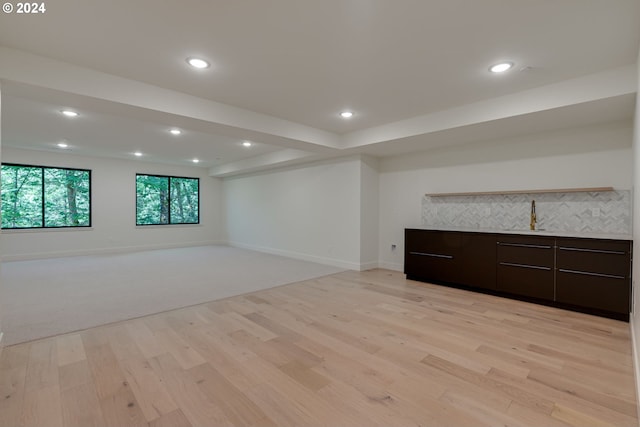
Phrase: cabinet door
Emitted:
{"points": [[432, 255], [478, 260], [525, 266], [594, 274]]}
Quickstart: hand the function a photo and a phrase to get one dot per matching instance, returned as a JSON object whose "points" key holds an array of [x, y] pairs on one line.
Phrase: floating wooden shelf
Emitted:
{"points": [[493, 193]]}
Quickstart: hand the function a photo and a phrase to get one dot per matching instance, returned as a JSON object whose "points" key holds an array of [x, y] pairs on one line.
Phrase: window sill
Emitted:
{"points": [[43, 230], [166, 226]]}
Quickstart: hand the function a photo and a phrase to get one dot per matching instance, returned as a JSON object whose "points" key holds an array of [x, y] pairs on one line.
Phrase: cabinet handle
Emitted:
{"points": [[586, 273], [524, 245], [432, 255], [597, 251], [535, 267]]}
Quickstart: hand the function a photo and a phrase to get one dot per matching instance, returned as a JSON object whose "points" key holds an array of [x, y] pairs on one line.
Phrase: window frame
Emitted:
{"points": [[169, 177], [43, 203]]}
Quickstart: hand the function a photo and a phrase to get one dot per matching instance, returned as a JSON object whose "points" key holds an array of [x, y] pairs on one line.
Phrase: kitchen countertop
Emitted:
{"points": [[585, 235]]}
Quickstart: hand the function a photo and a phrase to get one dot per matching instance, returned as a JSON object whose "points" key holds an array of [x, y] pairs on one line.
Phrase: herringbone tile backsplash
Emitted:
{"points": [[599, 212]]}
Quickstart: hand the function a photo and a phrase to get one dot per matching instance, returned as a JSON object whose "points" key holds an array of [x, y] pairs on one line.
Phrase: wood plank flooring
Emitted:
{"points": [[351, 349]]}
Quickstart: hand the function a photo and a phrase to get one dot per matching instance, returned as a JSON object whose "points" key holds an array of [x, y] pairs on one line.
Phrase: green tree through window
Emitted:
{"points": [[45, 197], [164, 200]]}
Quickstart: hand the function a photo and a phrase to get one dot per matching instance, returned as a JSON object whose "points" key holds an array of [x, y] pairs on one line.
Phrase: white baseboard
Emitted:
{"points": [[108, 251], [301, 256], [368, 265], [391, 266], [636, 361]]}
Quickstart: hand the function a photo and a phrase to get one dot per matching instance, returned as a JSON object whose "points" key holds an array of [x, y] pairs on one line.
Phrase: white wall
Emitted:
{"points": [[369, 191], [113, 211], [635, 317], [309, 212], [592, 156]]}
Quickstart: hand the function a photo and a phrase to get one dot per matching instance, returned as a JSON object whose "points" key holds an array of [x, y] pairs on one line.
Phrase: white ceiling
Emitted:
{"points": [[283, 69]]}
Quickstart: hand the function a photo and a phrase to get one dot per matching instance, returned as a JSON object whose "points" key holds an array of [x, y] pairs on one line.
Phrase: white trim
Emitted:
{"points": [[368, 265], [636, 364], [297, 255], [391, 266], [108, 251], [45, 230], [165, 226]]}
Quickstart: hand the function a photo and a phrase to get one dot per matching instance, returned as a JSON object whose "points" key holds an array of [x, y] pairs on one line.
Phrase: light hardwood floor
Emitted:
{"points": [[350, 349]]}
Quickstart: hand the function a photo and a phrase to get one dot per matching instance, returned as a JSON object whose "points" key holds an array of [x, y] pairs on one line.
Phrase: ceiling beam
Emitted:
{"points": [[266, 161], [607, 84], [21, 67]]}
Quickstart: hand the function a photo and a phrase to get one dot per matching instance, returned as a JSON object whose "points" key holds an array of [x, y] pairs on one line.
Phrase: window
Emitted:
{"points": [[164, 200], [45, 197]]}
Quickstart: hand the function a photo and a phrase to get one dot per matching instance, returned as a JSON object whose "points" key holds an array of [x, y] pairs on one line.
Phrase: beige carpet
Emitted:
{"points": [[47, 297]]}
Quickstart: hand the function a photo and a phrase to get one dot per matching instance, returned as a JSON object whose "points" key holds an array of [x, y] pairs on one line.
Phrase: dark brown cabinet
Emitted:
{"points": [[451, 256], [583, 274], [594, 273], [525, 266], [433, 255]]}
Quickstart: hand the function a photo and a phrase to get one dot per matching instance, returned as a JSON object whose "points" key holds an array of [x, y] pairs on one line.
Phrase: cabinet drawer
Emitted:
{"points": [[525, 266], [432, 255], [526, 251], [597, 244], [431, 267], [522, 279], [609, 258], [433, 242], [592, 291]]}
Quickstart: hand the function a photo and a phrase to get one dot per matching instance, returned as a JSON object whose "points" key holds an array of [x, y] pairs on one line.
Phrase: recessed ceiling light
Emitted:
{"points": [[137, 154], [63, 145], [501, 67], [346, 114], [196, 160], [69, 113], [175, 131], [197, 63], [247, 144]]}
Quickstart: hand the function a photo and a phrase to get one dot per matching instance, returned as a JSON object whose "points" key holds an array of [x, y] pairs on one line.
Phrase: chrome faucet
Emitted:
{"points": [[534, 219]]}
